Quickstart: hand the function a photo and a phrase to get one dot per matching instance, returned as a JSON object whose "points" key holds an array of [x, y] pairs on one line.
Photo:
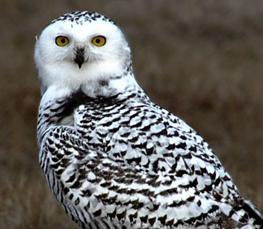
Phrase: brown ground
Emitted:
{"points": [[203, 60]]}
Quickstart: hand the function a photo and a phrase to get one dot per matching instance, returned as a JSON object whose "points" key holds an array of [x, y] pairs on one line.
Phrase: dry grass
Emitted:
{"points": [[203, 60]]}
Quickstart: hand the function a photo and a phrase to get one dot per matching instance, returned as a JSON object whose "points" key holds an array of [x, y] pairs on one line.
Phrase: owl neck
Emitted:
{"points": [[103, 87], [94, 79], [110, 86]]}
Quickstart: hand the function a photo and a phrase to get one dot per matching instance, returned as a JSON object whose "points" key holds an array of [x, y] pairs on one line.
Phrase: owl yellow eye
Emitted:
{"points": [[62, 41], [99, 41]]}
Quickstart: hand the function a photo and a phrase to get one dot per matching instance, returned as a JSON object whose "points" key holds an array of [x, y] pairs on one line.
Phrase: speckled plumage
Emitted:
{"points": [[113, 158]]}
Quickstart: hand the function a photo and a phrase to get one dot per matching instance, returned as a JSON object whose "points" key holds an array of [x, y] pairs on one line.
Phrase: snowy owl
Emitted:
{"points": [[113, 158]]}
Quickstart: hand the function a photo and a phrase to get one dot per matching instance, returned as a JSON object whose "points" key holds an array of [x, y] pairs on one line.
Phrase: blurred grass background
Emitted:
{"points": [[202, 60]]}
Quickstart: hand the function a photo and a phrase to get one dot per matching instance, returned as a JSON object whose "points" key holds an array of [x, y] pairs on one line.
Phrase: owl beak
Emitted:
{"points": [[79, 58]]}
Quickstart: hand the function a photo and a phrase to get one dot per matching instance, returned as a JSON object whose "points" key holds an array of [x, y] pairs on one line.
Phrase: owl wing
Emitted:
{"points": [[136, 166]]}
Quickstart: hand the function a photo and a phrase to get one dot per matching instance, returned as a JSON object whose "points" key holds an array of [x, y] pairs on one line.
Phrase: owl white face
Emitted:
{"points": [[70, 53]]}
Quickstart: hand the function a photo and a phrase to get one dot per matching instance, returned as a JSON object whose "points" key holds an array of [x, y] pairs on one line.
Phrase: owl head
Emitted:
{"points": [[80, 48]]}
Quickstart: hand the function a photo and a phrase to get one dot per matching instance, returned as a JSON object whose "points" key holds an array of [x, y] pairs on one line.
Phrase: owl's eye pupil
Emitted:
{"points": [[63, 40], [97, 41]]}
